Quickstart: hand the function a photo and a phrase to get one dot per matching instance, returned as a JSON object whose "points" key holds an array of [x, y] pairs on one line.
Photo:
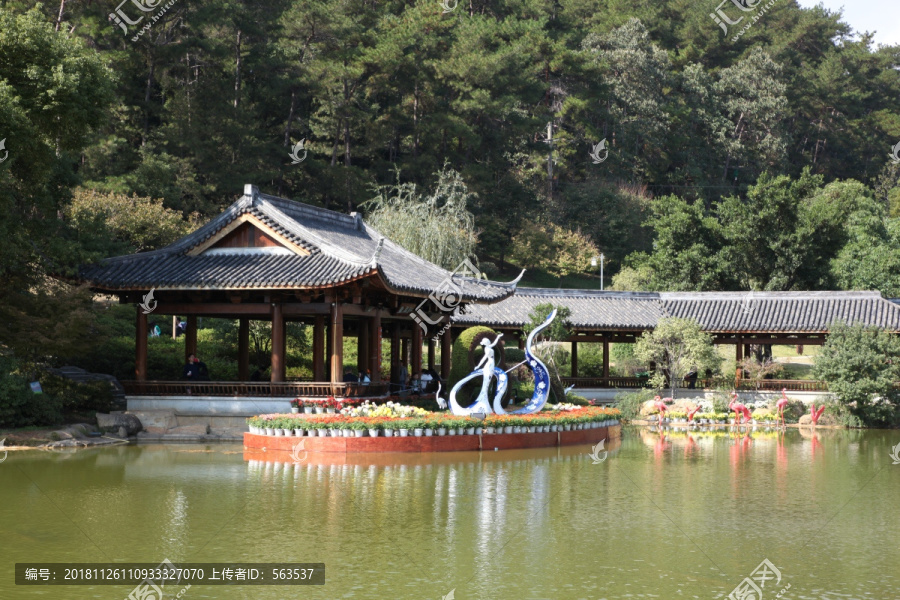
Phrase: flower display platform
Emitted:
{"points": [[434, 443]]}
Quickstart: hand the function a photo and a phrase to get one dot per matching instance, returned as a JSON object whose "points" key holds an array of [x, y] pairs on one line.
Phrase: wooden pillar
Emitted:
{"points": [[404, 351], [521, 339], [174, 327], [395, 351], [278, 346], [375, 348], [329, 349], [416, 352], [337, 342], [244, 349], [318, 349], [190, 337], [140, 346], [739, 356], [446, 344], [606, 359], [431, 353], [362, 345], [574, 359]]}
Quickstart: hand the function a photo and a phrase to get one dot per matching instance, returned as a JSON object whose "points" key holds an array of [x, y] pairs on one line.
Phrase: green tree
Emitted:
{"points": [[861, 365], [554, 249], [676, 346]]}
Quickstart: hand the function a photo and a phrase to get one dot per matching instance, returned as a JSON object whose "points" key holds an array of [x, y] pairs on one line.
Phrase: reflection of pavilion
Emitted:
{"points": [[271, 259]]}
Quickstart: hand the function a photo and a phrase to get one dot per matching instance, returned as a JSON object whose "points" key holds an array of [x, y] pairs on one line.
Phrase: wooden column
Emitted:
{"points": [[277, 343], [190, 337], [375, 348], [404, 351], [318, 349], [395, 352], [329, 349], [174, 327], [337, 342], [574, 359], [362, 346], [739, 356], [416, 357], [521, 339], [606, 359], [446, 343], [431, 353], [140, 346], [244, 349]]}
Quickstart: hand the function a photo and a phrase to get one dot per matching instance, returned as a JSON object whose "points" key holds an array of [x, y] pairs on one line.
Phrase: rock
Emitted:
{"points": [[62, 434], [112, 423], [123, 432]]}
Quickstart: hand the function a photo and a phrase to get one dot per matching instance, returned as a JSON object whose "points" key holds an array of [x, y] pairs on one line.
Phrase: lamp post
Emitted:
{"points": [[594, 265]]}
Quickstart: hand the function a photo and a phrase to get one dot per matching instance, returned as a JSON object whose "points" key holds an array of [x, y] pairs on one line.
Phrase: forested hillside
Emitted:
{"points": [[727, 168]]}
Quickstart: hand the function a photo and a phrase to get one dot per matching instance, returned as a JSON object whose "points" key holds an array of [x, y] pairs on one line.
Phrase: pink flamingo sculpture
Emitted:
{"points": [[736, 407], [781, 404], [692, 413], [661, 406], [815, 414]]}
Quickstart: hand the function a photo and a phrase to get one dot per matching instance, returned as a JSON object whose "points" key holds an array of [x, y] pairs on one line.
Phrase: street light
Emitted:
{"points": [[594, 265]]}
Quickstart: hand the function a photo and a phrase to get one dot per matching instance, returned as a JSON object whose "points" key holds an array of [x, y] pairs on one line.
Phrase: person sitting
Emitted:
{"points": [[190, 370], [349, 377], [364, 378]]}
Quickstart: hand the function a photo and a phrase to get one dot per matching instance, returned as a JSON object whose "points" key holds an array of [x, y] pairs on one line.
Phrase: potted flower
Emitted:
{"points": [[295, 405], [374, 426], [309, 407], [403, 427], [331, 405], [417, 425], [358, 427]]}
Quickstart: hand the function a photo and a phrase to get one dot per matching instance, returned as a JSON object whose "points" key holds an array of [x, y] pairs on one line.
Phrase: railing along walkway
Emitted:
{"points": [[286, 389], [792, 385]]}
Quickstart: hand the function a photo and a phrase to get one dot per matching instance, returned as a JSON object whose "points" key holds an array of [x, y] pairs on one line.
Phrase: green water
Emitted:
{"points": [[659, 518]]}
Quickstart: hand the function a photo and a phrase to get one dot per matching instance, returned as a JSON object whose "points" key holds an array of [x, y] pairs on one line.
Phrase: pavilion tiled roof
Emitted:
{"points": [[717, 312], [341, 248]]}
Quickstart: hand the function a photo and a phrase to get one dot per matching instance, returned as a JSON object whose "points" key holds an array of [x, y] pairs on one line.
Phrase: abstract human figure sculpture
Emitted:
{"points": [[736, 407], [486, 369], [815, 414], [781, 404]]}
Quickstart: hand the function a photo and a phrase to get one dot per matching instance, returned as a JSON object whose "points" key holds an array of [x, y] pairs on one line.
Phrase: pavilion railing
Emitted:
{"points": [[286, 389], [792, 385]]}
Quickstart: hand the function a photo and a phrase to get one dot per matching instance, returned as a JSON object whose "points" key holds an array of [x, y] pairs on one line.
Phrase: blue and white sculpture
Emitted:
{"points": [[484, 369], [487, 369]]}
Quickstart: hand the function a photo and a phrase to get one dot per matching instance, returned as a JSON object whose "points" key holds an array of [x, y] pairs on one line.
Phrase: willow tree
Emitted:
{"points": [[435, 225]]}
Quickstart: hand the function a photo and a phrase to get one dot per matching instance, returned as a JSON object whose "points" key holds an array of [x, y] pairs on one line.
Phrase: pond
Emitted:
{"points": [[658, 516]]}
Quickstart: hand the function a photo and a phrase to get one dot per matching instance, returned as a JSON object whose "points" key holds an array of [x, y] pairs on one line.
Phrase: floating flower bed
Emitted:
{"points": [[392, 419]]}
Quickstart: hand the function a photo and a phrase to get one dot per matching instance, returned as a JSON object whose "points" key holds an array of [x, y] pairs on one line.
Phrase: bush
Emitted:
{"points": [[629, 403], [79, 397], [19, 406], [466, 345], [590, 360], [860, 365]]}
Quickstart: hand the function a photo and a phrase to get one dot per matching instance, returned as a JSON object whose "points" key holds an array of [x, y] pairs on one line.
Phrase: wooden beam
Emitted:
{"points": [[337, 342], [318, 349], [140, 345], [244, 349], [220, 309]]}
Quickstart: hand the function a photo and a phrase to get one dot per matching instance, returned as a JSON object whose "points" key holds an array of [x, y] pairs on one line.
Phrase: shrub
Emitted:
{"points": [[19, 406], [78, 396], [860, 365], [466, 348], [629, 403]]}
